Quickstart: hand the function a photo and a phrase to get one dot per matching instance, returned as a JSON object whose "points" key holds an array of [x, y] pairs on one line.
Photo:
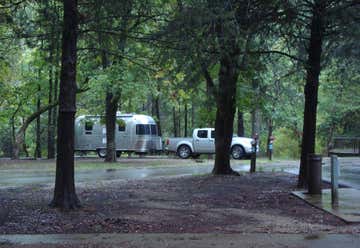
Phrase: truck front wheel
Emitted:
{"points": [[184, 151], [237, 152]]}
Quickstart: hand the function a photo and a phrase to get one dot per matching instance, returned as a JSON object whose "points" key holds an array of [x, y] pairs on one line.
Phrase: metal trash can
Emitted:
{"points": [[314, 174]]}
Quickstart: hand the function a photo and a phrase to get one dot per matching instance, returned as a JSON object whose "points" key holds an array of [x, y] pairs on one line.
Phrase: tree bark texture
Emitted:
{"points": [[56, 97], [186, 120], [51, 128], [52, 98], [311, 89], [64, 193], [224, 122], [175, 126], [270, 133], [157, 112], [110, 116], [38, 127], [240, 123]]}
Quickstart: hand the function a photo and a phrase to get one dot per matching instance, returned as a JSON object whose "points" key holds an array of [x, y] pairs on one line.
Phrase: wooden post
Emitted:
{"points": [[253, 157], [334, 180]]}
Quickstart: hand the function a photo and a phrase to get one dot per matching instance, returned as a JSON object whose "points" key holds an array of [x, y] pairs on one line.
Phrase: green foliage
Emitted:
{"points": [[286, 144], [158, 50]]}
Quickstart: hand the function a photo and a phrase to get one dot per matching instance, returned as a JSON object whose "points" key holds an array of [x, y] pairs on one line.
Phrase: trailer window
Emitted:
{"points": [[121, 125], [153, 130], [202, 134], [89, 125], [142, 129]]}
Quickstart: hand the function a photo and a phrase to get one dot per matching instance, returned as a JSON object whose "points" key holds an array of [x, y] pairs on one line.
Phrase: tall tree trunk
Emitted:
{"points": [[179, 120], [157, 112], [240, 123], [24, 147], [111, 104], [56, 99], [50, 130], [12, 125], [175, 122], [225, 100], [192, 115], [110, 116], [186, 120], [64, 193], [38, 127], [270, 133], [255, 115], [311, 89]]}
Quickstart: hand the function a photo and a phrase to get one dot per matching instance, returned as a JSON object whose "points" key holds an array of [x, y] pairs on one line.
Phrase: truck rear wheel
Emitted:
{"points": [[101, 152], [184, 151], [237, 152]]}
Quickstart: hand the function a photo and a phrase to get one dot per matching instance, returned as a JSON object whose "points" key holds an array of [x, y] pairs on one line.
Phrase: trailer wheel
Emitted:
{"points": [[101, 152], [237, 152], [184, 151]]}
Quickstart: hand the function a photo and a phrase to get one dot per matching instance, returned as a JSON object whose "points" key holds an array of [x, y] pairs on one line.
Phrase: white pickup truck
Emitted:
{"points": [[203, 142]]}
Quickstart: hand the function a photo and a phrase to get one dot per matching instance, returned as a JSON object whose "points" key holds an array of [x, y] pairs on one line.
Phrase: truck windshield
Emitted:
{"points": [[142, 129]]}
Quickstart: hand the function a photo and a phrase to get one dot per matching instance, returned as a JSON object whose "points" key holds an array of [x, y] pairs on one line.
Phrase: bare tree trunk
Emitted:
{"points": [[311, 89], [240, 124], [56, 99], [157, 112], [186, 120], [15, 148], [38, 127], [192, 115], [179, 120], [24, 147], [110, 115], [228, 74], [175, 122], [270, 133], [64, 193], [50, 133]]}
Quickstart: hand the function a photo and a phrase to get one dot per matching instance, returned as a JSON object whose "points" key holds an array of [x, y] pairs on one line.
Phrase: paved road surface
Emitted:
{"points": [[350, 172]]}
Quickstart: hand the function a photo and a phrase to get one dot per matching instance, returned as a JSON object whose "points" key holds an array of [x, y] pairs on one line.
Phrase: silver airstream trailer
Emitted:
{"points": [[133, 133]]}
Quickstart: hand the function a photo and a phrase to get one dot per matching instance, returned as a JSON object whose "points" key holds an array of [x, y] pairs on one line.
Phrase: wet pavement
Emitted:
{"points": [[182, 240], [349, 171], [346, 208]]}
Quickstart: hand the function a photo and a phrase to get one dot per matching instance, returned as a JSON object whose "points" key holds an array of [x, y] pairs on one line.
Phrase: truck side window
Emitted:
{"points": [[213, 134], [89, 125], [202, 134]]}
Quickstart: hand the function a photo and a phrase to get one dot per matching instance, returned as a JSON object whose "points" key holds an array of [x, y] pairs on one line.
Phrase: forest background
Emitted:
{"points": [[154, 57]]}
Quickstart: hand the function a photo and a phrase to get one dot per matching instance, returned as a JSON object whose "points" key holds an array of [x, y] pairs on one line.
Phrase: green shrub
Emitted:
{"points": [[286, 144]]}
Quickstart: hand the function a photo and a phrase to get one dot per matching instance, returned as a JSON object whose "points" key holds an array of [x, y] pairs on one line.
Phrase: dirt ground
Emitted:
{"points": [[259, 202]]}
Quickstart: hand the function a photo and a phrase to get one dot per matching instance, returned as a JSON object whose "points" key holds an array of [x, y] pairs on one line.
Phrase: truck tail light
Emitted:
{"points": [[167, 142]]}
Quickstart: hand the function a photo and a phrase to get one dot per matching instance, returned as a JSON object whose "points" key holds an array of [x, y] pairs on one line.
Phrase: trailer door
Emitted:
{"points": [[123, 141]]}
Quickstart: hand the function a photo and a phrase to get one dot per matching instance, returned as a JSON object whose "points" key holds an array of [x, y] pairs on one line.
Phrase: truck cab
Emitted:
{"points": [[204, 140]]}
